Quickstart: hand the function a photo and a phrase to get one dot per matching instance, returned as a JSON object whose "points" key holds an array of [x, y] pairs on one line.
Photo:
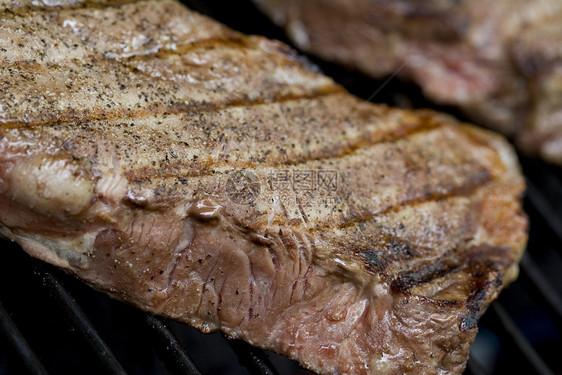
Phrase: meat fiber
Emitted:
{"points": [[219, 180], [499, 61]]}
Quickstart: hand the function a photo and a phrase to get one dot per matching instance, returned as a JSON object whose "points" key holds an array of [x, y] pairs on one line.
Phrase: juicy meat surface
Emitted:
{"points": [[499, 61], [219, 180]]}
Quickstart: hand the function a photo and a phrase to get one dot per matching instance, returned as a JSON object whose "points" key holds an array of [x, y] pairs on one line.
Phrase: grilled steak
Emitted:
{"points": [[219, 180], [500, 61]]}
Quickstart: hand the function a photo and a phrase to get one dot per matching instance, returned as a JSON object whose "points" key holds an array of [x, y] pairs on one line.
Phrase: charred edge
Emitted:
{"points": [[400, 249], [486, 279], [475, 301], [374, 261], [392, 250], [424, 274], [481, 264]]}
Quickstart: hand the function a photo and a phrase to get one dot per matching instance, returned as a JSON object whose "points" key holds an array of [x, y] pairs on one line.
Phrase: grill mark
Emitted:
{"points": [[204, 168], [476, 182], [401, 133], [397, 250], [125, 60], [393, 250], [486, 279], [474, 302], [425, 274], [155, 109], [480, 263], [376, 263], [23, 11], [230, 39], [98, 114]]}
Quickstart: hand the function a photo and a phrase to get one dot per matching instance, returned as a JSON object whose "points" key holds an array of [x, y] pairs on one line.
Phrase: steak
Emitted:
{"points": [[500, 62], [220, 180]]}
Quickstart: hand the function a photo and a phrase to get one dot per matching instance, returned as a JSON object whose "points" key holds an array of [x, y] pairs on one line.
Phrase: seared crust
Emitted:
{"points": [[151, 158]]}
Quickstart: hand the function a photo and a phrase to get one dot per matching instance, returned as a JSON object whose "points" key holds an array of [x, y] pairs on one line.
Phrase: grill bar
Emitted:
{"points": [[545, 209], [539, 285], [16, 340], [254, 359], [520, 340], [79, 321], [169, 349]]}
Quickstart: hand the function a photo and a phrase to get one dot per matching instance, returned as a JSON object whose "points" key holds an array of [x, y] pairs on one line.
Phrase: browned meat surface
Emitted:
{"points": [[216, 179], [499, 61]]}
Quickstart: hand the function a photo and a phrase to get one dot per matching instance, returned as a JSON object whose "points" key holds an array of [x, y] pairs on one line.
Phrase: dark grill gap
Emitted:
{"points": [[16, 340], [51, 322], [78, 320], [169, 349]]}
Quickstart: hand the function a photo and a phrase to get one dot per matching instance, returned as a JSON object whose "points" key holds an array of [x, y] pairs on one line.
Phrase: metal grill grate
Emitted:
{"points": [[52, 323]]}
